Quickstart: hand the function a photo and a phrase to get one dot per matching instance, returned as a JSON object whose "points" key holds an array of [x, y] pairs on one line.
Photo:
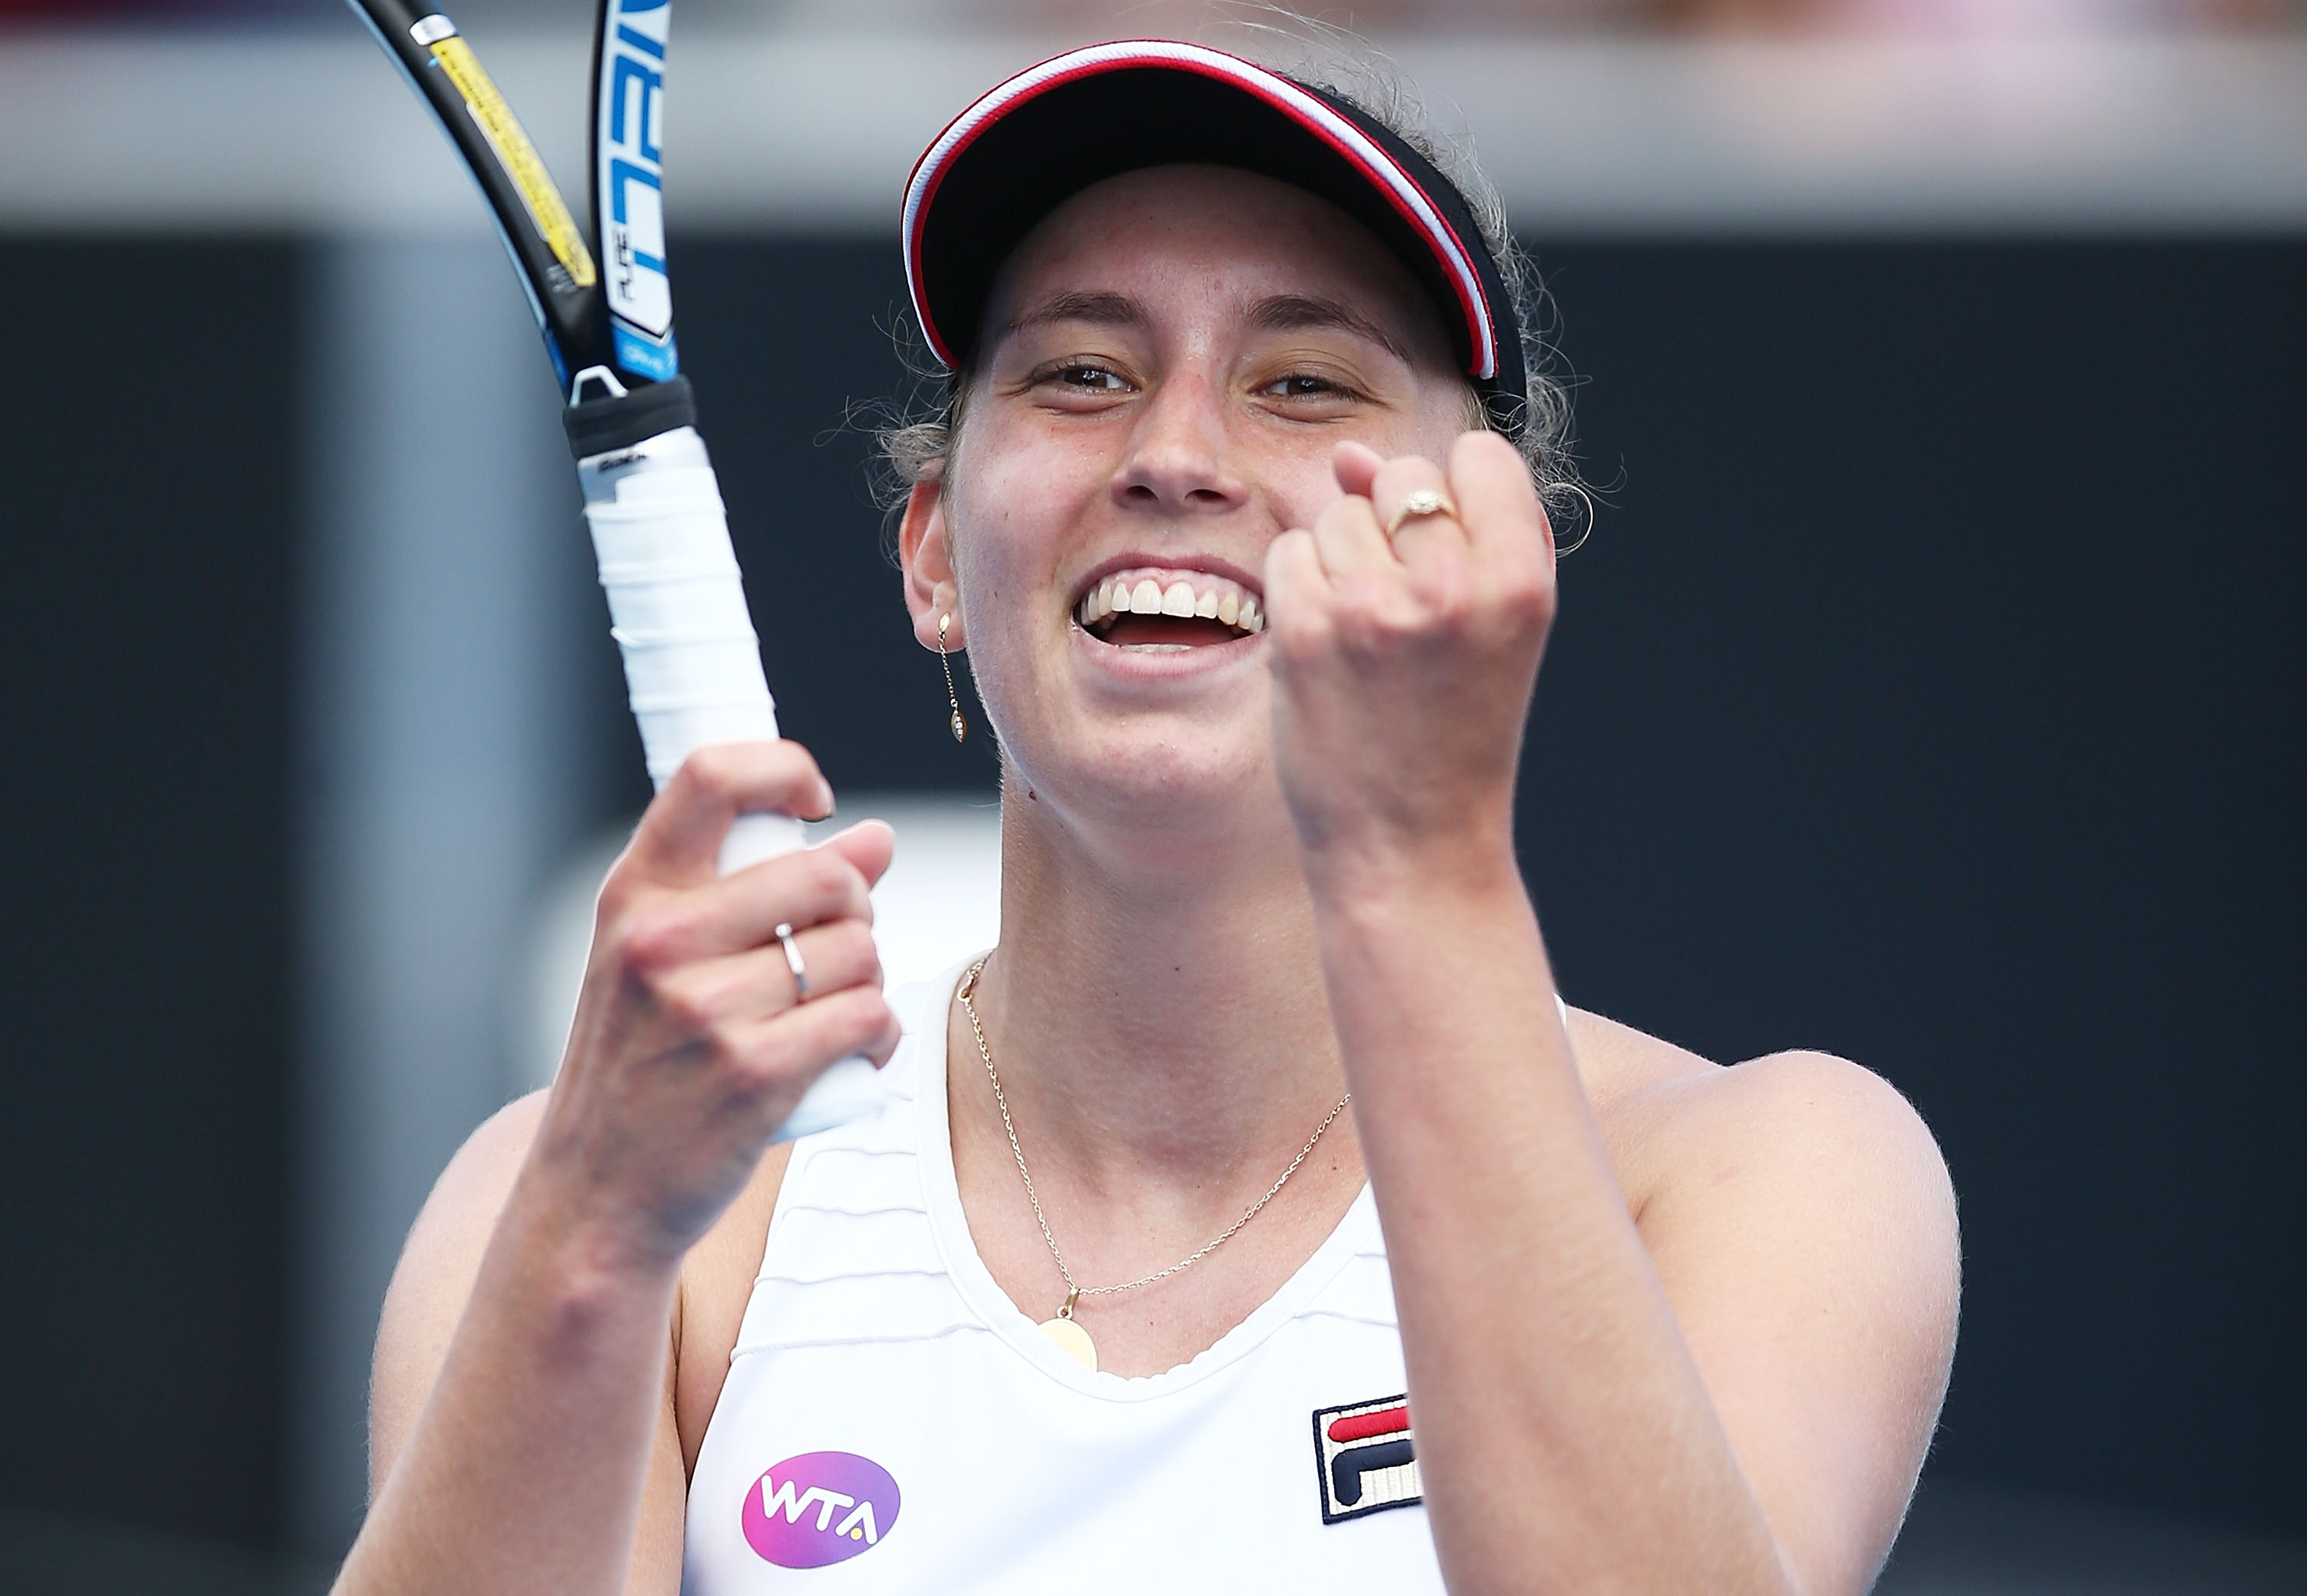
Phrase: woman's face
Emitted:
{"points": [[1168, 361]]}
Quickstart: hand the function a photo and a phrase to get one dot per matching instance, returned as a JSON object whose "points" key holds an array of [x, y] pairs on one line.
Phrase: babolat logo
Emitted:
{"points": [[1365, 1457], [629, 147], [819, 1507]]}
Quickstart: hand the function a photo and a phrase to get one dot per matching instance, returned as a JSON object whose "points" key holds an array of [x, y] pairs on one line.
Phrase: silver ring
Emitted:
{"points": [[1421, 501], [793, 963]]}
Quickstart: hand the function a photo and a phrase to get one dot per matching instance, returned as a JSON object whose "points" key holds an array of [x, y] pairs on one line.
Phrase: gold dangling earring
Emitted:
{"points": [[959, 727]]}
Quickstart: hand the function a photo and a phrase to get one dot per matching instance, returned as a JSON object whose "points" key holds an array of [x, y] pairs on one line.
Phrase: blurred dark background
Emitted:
{"points": [[1929, 691]]}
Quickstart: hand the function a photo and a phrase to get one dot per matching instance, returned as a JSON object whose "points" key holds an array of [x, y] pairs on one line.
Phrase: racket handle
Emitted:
{"points": [[693, 664]]}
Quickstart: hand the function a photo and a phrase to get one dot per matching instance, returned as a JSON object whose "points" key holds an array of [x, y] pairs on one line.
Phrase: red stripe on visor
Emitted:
{"points": [[1360, 153]]}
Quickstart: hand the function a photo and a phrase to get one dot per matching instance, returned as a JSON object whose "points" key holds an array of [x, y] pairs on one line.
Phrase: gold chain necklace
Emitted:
{"points": [[1064, 1329]]}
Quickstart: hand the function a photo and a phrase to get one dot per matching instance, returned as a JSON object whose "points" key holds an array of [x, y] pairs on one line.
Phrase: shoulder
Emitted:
{"points": [[1798, 1160], [439, 1263], [444, 1246], [1803, 1229], [1795, 1199], [1670, 1116]]}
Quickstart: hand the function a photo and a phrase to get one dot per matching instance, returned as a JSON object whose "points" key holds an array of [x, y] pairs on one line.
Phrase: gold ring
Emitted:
{"points": [[1421, 501]]}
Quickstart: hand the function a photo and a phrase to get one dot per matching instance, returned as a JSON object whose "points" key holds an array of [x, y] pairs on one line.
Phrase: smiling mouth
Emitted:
{"points": [[1161, 610]]}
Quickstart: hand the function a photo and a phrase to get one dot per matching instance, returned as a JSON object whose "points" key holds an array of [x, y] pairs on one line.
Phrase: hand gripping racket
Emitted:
{"points": [[676, 597]]}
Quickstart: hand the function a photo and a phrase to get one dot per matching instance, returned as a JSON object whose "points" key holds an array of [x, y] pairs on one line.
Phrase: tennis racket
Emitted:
{"points": [[604, 303]]}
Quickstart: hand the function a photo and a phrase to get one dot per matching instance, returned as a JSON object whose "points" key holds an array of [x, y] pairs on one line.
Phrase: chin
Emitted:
{"points": [[1162, 771]]}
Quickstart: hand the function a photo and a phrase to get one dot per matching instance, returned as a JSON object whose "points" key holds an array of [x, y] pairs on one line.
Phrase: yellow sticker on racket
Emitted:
{"points": [[517, 156]]}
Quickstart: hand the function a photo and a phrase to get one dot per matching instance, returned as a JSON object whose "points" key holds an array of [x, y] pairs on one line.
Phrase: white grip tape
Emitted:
{"points": [[693, 664]]}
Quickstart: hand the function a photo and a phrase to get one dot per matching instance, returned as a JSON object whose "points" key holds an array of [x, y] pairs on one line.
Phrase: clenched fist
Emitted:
{"points": [[1403, 666]]}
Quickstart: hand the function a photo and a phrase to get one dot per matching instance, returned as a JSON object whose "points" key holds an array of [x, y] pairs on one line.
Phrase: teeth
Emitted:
{"points": [[1210, 599]]}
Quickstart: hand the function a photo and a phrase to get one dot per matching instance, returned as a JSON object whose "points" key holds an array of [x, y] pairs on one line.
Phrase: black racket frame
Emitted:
{"points": [[573, 317]]}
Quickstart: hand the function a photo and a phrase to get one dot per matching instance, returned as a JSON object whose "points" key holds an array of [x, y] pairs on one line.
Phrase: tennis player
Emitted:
{"points": [[1253, 1217]]}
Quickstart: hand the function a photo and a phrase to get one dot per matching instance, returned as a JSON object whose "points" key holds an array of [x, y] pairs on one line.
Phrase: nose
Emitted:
{"points": [[1178, 455]]}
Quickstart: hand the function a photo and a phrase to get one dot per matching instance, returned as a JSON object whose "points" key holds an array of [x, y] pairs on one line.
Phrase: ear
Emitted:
{"points": [[925, 553]]}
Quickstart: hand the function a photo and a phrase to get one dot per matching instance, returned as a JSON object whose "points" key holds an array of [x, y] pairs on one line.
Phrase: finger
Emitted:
{"points": [[1356, 467], [759, 982], [800, 1042], [1497, 500], [1295, 585], [680, 836], [1349, 541], [807, 888], [869, 845], [1391, 496]]}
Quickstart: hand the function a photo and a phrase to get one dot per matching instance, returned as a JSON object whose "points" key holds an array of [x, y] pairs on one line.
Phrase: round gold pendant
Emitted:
{"points": [[1071, 1336]]}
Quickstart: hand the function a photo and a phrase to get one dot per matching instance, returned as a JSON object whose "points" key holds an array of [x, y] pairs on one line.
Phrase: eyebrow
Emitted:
{"points": [[1103, 310], [1297, 312], [1280, 313]]}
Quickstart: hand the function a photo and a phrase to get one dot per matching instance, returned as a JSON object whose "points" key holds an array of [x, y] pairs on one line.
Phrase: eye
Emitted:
{"points": [[1302, 386], [1095, 379]]}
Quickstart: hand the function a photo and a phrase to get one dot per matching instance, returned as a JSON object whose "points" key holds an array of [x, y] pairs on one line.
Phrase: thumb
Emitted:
{"points": [[868, 846]]}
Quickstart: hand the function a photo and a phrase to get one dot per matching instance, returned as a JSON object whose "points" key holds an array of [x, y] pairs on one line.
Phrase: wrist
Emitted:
{"points": [[1348, 870], [579, 1259]]}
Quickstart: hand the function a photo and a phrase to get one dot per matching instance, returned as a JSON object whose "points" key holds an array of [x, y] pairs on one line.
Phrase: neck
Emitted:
{"points": [[1156, 1007]]}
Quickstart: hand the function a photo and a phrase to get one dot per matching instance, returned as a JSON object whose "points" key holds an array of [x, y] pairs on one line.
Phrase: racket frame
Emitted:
{"points": [[553, 255]]}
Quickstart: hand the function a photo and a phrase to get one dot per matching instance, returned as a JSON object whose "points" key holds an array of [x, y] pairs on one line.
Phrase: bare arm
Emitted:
{"points": [[523, 1420], [424, 1314], [1733, 1394]]}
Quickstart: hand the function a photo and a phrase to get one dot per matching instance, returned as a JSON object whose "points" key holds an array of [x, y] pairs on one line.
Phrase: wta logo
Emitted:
{"points": [[819, 1507]]}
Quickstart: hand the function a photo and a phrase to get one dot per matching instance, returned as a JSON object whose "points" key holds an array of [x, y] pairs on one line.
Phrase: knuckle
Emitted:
{"points": [[1527, 597], [685, 1005], [859, 1021], [827, 878], [1448, 602], [711, 772], [619, 890], [1287, 552], [853, 949], [1305, 636], [651, 938], [794, 760]]}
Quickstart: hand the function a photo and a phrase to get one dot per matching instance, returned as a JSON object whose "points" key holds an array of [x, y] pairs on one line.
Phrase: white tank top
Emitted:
{"points": [[893, 1423]]}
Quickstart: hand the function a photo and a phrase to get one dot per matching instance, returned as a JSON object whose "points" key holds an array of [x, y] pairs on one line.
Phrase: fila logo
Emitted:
{"points": [[1365, 1457], [819, 1507]]}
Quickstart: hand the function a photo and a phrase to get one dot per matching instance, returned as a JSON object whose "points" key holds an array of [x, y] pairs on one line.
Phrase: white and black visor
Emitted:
{"points": [[1036, 141]]}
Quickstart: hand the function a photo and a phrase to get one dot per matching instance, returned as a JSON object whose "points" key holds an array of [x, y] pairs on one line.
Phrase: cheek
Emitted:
{"points": [[1021, 501]]}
